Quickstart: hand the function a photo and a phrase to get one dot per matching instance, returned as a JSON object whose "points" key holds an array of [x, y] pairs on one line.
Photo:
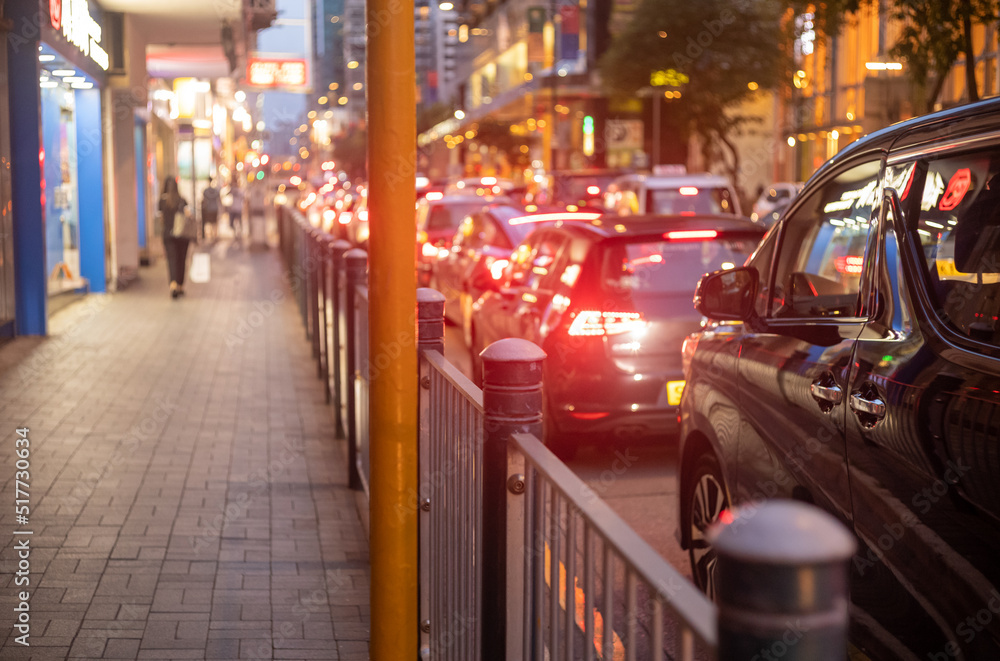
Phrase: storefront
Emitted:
{"points": [[57, 80]]}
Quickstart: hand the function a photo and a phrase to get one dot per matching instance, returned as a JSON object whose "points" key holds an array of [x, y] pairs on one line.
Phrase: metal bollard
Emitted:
{"points": [[512, 403], [781, 581], [357, 274], [430, 337], [430, 320], [339, 363]]}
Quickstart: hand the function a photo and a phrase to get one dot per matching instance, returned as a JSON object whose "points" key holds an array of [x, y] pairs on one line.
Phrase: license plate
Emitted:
{"points": [[674, 391]]}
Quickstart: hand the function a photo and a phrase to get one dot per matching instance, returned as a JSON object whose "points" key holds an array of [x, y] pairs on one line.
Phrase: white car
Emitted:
{"points": [[674, 194], [776, 195]]}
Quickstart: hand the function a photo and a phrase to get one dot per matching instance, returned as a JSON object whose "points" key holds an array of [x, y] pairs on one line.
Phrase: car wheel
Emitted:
{"points": [[706, 500]]}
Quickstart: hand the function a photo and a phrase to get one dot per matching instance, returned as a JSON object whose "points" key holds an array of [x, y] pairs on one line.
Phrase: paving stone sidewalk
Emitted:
{"points": [[188, 496]]}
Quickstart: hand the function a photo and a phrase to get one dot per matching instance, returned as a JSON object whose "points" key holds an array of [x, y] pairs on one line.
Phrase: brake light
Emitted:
{"points": [[690, 235], [688, 191], [589, 415], [551, 217], [434, 195], [363, 215], [429, 250], [344, 218], [593, 190], [497, 267], [594, 323]]}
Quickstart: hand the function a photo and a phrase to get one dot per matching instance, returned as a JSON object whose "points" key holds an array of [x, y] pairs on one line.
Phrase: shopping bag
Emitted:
{"points": [[201, 267]]}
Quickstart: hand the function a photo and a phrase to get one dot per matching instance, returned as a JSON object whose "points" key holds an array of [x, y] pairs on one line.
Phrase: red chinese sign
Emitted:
{"points": [[957, 188]]}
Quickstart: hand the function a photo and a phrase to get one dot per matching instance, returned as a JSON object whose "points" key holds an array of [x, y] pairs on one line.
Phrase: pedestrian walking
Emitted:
{"points": [[210, 211], [179, 229], [236, 209]]}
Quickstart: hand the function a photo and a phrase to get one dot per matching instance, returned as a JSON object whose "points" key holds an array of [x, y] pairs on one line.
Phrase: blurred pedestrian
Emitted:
{"points": [[210, 211], [179, 229], [236, 209]]}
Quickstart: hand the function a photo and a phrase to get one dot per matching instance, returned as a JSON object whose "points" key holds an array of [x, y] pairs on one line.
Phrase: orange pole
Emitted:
{"points": [[392, 141]]}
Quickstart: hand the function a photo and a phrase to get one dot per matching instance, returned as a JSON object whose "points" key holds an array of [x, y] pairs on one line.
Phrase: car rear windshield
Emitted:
{"points": [[689, 200], [670, 267], [448, 216]]}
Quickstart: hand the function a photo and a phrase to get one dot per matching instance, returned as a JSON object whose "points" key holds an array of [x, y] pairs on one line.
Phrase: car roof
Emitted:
{"points": [[610, 226], [673, 180], [910, 132]]}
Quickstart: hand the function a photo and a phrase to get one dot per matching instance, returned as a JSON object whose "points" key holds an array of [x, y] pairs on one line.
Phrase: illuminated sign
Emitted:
{"points": [[73, 18], [276, 73], [668, 78]]}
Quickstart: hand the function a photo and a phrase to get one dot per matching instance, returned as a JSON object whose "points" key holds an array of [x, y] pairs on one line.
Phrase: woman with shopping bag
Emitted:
{"points": [[179, 229]]}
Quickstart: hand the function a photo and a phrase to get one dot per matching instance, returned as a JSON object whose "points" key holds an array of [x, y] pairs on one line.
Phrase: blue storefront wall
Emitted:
{"points": [[36, 151], [90, 175]]}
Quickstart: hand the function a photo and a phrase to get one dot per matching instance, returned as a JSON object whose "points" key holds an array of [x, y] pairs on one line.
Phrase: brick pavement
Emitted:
{"points": [[188, 495]]}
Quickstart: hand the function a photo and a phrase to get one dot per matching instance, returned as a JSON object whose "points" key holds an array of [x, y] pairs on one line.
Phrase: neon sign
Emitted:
{"points": [[276, 73], [79, 27]]}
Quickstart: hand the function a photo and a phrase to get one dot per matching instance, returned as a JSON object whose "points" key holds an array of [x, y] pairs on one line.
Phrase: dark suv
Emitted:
{"points": [[608, 299], [854, 363]]}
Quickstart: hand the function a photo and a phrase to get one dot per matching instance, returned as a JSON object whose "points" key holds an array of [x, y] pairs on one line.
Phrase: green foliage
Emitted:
{"points": [[431, 115], [350, 152], [719, 45]]}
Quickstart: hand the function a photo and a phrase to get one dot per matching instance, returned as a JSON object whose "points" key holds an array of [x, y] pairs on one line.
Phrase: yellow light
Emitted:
{"points": [[791, 141], [753, 86], [353, 64], [323, 100], [311, 114], [470, 135], [850, 116], [358, 86], [834, 134], [528, 76], [342, 100], [662, 33], [334, 86], [540, 123]]}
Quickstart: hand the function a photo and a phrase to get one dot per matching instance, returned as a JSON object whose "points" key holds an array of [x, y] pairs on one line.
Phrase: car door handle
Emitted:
{"points": [[829, 393], [874, 406]]}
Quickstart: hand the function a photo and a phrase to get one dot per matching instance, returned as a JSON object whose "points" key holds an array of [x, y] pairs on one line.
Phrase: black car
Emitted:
{"points": [[608, 300], [855, 364], [480, 253]]}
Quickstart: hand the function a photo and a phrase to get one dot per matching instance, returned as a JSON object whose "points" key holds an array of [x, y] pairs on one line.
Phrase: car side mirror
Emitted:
{"points": [[727, 295]]}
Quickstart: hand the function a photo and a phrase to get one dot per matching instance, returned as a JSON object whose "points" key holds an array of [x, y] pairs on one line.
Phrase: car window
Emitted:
{"points": [[533, 264], [689, 200], [821, 252], [465, 230], [448, 216], [958, 224]]}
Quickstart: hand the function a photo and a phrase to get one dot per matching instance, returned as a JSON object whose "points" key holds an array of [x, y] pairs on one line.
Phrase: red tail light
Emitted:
{"points": [[595, 415], [595, 323], [690, 235]]}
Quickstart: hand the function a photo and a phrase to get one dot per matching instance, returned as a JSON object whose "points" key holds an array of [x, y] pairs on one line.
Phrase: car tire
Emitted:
{"points": [[705, 498]]}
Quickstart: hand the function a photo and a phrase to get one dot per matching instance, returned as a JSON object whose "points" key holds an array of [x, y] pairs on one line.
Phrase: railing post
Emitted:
{"points": [[512, 403], [324, 262], [430, 337], [312, 269], [357, 274], [781, 581], [337, 294]]}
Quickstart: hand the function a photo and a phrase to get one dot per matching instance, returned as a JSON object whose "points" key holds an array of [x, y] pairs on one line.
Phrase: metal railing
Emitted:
{"points": [[518, 557]]}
